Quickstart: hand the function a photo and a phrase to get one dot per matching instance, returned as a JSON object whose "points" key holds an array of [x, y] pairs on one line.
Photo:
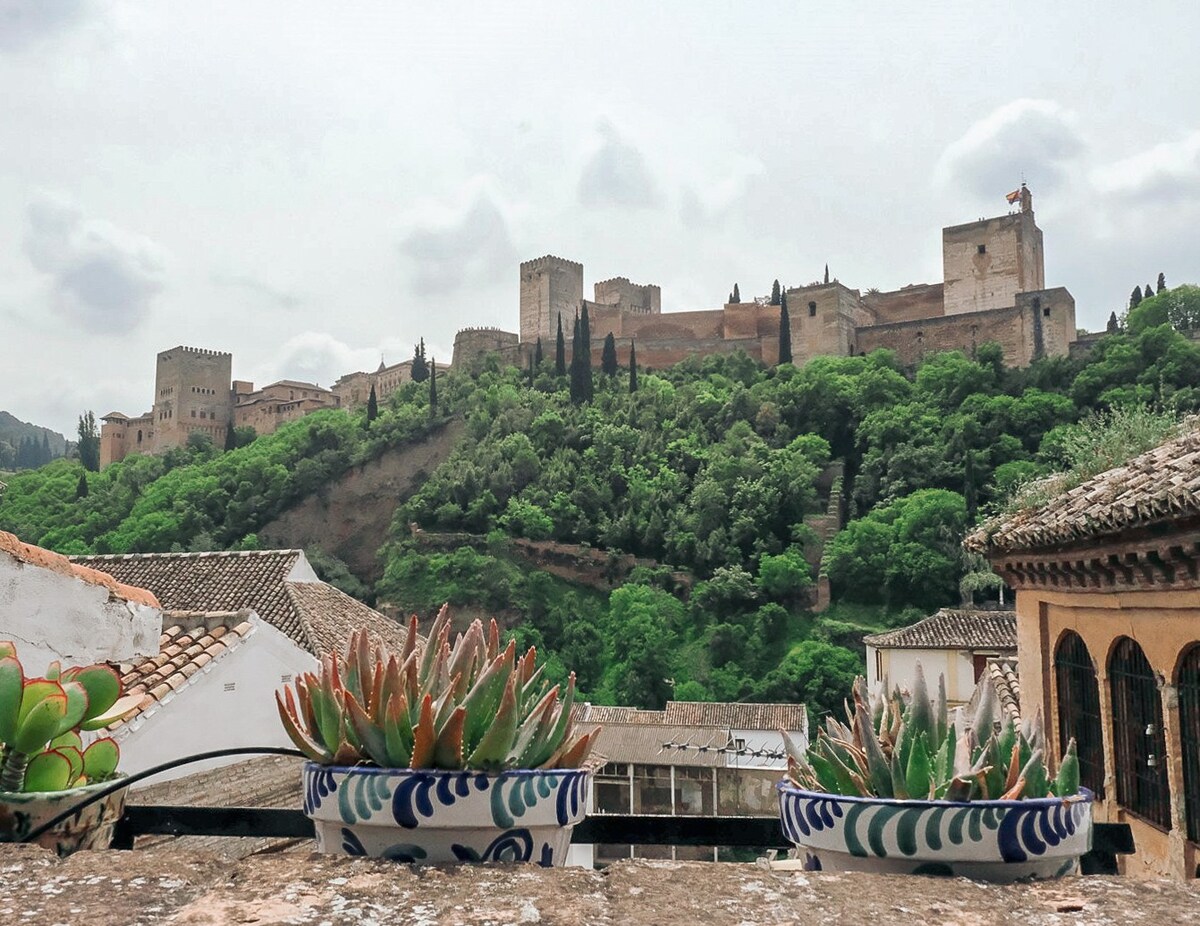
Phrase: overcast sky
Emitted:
{"points": [[310, 185]]}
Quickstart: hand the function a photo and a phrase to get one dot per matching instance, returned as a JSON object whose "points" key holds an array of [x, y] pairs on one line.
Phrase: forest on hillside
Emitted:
{"points": [[709, 468]]}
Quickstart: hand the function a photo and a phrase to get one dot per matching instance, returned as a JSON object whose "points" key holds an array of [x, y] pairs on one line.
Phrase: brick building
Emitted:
{"points": [[993, 289]]}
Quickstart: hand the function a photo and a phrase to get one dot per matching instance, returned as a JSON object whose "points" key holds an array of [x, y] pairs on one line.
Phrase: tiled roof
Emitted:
{"points": [[1004, 678], [773, 717], [701, 714], [37, 556], [953, 629], [189, 642], [328, 616], [644, 744], [317, 616], [1162, 484]]}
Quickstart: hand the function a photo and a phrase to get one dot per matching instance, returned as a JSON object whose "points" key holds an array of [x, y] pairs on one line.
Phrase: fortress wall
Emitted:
{"points": [[660, 353], [191, 393], [922, 300], [911, 340], [471, 345], [1010, 262], [1050, 315], [700, 326], [644, 299], [550, 286], [822, 320]]}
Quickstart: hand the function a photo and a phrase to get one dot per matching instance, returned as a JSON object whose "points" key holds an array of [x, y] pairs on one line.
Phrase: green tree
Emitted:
{"points": [[1113, 325], [735, 297], [537, 353], [373, 403], [814, 673], [785, 332], [585, 361], [785, 577], [420, 368], [633, 374], [1135, 297], [1148, 293], [560, 351], [433, 393], [89, 443], [608, 358], [81, 488], [1162, 283], [775, 293], [641, 623]]}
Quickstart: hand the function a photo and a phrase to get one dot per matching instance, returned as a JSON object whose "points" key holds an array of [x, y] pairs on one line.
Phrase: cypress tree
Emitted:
{"points": [[433, 389], [560, 351], [785, 333], [420, 368], [537, 352], [1162, 283], [230, 438], [633, 385], [1113, 325], [531, 371], [81, 487], [576, 385], [608, 358], [373, 404], [1149, 293], [47, 456], [827, 273], [585, 361], [775, 293], [1135, 297], [735, 297]]}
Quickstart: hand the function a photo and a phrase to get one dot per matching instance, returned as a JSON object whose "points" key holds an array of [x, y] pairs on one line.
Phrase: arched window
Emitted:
{"points": [[1189, 732], [1079, 709], [1140, 746]]}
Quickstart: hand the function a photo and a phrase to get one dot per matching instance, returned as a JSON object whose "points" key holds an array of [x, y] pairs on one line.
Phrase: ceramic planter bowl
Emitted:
{"points": [[434, 816], [89, 828], [987, 840]]}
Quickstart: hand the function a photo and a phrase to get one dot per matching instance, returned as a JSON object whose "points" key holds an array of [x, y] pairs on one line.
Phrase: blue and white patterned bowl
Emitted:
{"points": [[434, 816], [987, 840]]}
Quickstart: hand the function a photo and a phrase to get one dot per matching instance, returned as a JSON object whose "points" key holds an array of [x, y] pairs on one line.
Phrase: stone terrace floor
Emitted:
{"points": [[193, 888]]}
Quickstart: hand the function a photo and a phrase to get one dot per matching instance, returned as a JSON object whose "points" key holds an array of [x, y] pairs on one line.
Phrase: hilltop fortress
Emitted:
{"points": [[993, 289]]}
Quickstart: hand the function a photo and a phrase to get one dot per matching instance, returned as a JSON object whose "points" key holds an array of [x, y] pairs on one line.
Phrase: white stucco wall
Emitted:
{"points": [[900, 668], [302, 571], [207, 714], [51, 615]]}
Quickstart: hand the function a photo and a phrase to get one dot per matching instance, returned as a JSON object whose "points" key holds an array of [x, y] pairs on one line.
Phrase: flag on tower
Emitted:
{"points": [[1013, 196]]}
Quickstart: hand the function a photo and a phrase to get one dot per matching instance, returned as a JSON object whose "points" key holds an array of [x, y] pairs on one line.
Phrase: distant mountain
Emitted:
{"points": [[14, 432]]}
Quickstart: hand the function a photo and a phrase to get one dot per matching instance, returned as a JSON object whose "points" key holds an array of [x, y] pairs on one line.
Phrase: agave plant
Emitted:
{"points": [[433, 705], [41, 719], [911, 747]]}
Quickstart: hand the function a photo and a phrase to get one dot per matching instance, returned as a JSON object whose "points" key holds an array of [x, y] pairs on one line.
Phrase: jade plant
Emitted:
{"points": [[41, 720], [433, 705], [913, 748]]}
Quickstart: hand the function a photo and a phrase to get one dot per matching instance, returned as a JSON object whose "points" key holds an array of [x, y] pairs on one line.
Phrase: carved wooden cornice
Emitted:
{"points": [[1162, 564]]}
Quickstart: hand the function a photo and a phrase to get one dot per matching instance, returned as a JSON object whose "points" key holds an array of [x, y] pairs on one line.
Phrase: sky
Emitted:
{"points": [[313, 186]]}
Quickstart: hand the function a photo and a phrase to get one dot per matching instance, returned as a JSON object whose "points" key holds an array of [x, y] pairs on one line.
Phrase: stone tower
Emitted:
{"points": [[988, 263], [550, 287], [191, 393]]}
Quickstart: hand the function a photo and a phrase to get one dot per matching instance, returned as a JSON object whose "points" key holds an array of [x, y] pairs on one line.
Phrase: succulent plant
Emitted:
{"points": [[911, 747], [433, 705], [41, 719]]}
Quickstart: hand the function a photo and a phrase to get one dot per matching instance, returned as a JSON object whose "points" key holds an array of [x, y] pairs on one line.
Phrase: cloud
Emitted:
{"points": [[1167, 173], [707, 201], [1035, 139], [265, 291], [24, 23], [617, 175], [319, 357], [459, 245], [103, 278]]}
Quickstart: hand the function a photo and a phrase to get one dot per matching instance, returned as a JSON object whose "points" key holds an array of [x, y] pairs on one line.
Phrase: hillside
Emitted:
{"points": [[14, 432], [710, 469]]}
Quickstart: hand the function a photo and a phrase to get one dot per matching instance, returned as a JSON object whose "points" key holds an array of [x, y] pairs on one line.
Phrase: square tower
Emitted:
{"points": [[191, 393], [987, 263], [550, 287]]}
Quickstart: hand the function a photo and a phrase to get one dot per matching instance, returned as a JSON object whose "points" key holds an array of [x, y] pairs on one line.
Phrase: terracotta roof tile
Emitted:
{"points": [[56, 562], [328, 616], [211, 582], [1160, 485], [709, 715], [317, 616], [1003, 674], [953, 629], [193, 641]]}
